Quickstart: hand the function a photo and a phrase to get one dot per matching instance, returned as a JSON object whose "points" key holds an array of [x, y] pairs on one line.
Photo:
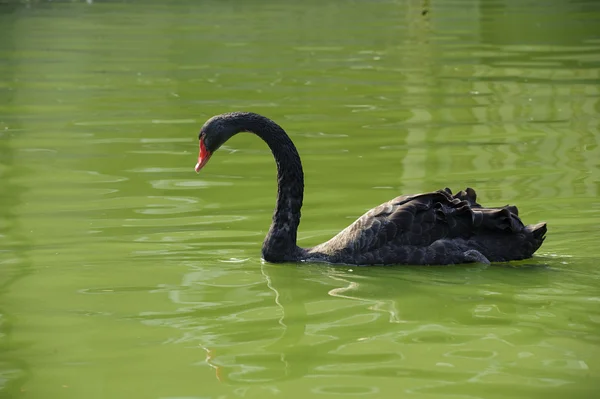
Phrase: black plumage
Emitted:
{"points": [[428, 228]]}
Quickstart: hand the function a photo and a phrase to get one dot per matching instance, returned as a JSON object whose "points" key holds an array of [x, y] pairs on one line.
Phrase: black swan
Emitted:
{"points": [[423, 229]]}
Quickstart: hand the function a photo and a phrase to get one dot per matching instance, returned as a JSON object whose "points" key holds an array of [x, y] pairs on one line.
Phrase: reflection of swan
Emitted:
{"points": [[429, 228], [388, 305], [305, 335], [268, 328]]}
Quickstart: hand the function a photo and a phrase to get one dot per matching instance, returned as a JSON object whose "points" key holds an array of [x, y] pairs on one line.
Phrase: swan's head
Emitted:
{"points": [[214, 133], [220, 128]]}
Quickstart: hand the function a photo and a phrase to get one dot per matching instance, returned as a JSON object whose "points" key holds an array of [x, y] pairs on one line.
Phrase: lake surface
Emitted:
{"points": [[123, 274]]}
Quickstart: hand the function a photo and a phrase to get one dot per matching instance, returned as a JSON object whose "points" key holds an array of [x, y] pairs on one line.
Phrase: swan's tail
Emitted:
{"points": [[500, 233], [511, 241], [536, 234]]}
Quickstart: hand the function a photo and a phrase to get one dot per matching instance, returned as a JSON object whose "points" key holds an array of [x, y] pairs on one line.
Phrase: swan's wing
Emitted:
{"points": [[419, 220]]}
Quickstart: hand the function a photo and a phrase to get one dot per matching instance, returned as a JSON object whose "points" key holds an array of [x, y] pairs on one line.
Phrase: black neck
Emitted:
{"points": [[280, 242]]}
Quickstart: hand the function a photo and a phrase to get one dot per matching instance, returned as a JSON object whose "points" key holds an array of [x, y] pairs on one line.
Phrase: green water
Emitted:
{"points": [[123, 274]]}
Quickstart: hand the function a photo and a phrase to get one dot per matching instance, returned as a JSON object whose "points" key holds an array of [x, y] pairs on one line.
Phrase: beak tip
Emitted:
{"points": [[203, 157]]}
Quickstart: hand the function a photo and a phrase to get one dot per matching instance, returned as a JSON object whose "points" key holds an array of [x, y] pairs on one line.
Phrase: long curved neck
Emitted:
{"points": [[280, 242]]}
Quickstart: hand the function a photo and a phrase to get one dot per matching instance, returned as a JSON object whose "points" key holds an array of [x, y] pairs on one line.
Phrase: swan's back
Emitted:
{"points": [[433, 228]]}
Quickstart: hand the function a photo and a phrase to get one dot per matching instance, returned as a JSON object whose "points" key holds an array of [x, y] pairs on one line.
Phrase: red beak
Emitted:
{"points": [[203, 157]]}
